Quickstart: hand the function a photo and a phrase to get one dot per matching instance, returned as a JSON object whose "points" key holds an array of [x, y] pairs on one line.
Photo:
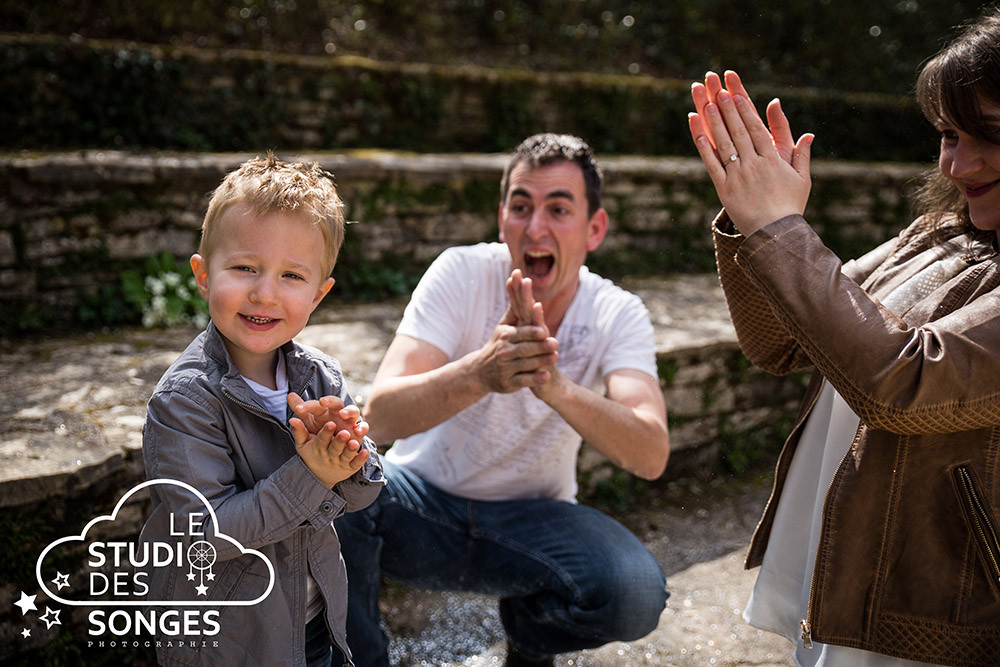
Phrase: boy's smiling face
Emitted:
{"points": [[263, 279]]}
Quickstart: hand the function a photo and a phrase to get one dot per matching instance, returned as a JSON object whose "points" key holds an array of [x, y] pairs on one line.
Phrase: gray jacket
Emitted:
{"points": [[206, 427]]}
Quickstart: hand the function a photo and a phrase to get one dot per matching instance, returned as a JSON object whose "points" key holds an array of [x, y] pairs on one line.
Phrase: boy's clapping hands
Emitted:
{"points": [[328, 437]]}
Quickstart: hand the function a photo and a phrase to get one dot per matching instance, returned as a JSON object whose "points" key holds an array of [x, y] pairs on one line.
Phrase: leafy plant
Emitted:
{"points": [[163, 295]]}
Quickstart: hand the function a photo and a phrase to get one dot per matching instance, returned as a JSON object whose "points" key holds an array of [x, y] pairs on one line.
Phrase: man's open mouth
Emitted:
{"points": [[538, 263]]}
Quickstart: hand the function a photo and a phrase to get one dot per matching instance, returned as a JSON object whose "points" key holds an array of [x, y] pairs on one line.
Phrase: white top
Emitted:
{"points": [[276, 402], [513, 446]]}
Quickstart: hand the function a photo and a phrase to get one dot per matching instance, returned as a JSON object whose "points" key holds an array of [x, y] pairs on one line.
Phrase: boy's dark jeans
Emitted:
{"points": [[319, 646]]}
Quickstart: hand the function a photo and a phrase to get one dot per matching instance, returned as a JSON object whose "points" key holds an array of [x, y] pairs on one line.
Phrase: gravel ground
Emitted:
{"points": [[697, 530]]}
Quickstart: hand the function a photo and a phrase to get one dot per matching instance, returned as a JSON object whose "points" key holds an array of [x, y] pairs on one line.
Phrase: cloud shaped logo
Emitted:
{"points": [[198, 558]]}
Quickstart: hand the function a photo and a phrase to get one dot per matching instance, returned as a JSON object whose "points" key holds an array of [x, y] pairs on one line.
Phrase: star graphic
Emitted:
{"points": [[202, 590], [26, 633], [26, 603], [61, 580], [54, 620], [210, 576], [190, 576]]}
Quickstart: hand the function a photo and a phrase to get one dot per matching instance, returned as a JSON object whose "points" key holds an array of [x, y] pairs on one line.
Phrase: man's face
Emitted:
{"points": [[545, 224]]}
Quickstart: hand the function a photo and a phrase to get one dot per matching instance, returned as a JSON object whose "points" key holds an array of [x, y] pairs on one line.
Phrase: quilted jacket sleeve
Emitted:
{"points": [[796, 304]]}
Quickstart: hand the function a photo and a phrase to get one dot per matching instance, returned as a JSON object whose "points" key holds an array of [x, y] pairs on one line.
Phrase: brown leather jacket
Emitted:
{"points": [[909, 556]]}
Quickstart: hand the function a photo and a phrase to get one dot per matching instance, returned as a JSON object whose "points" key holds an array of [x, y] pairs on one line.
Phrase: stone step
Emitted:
{"points": [[73, 408]]}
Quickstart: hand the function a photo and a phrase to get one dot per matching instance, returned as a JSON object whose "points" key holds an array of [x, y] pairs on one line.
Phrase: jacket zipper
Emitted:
{"points": [[980, 519], [336, 646], [256, 410], [807, 641], [805, 624], [305, 383], [249, 406]]}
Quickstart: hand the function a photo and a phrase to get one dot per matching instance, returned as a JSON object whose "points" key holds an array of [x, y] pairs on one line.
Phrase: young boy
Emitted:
{"points": [[219, 421]]}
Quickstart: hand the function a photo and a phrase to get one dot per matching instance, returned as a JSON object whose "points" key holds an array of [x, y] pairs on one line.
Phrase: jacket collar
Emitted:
{"points": [[982, 246], [297, 367]]}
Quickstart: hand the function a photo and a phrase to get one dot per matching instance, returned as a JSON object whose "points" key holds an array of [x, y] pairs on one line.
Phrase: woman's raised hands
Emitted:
{"points": [[760, 174]]}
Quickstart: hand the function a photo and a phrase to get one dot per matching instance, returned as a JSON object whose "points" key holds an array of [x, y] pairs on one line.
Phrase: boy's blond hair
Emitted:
{"points": [[267, 185]]}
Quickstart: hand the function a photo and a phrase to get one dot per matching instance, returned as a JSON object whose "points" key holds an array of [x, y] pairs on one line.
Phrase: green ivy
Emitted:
{"points": [[78, 94], [847, 44], [105, 307], [166, 295], [391, 276], [614, 494], [666, 368]]}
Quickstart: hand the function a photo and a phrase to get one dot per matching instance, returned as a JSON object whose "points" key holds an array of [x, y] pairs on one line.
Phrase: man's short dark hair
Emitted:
{"points": [[548, 148]]}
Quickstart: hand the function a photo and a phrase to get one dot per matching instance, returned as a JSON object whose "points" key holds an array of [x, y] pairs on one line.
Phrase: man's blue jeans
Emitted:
{"points": [[569, 577]]}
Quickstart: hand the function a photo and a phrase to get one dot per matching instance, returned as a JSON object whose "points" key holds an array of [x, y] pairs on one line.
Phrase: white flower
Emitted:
{"points": [[154, 285], [172, 279], [159, 304]]}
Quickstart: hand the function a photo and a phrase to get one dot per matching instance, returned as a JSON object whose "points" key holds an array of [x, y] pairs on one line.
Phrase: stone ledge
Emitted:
{"points": [[100, 166], [73, 407]]}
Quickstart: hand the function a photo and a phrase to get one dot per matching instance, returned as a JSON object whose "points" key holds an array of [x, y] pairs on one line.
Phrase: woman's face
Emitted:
{"points": [[973, 165]]}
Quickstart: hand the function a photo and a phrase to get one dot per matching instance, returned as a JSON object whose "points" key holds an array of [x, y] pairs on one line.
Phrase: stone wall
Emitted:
{"points": [[70, 223]]}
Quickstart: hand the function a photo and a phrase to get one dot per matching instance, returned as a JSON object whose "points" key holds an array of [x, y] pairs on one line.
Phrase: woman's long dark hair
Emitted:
{"points": [[950, 86]]}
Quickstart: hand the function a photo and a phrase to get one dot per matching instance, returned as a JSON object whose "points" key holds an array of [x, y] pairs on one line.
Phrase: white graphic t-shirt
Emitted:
{"points": [[513, 446]]}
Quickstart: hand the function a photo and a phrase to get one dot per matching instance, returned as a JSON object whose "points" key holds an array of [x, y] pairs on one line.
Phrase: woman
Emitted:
{"points": [[879, 544]]}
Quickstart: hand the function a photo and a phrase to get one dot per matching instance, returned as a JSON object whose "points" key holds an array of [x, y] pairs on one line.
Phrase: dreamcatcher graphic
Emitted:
{"points": [[201, 557]]}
